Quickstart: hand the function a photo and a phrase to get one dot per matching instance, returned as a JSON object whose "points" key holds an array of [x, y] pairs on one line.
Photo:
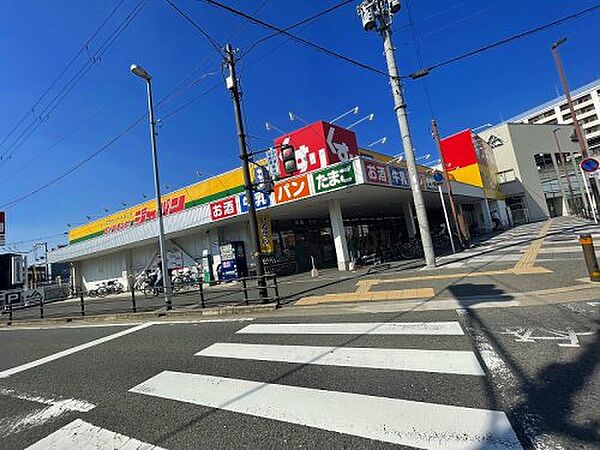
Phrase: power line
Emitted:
{"points": [[191, 21], [507, 40], [92, 155], [297, 38], [44, 115], [297, 24], [62, 72]]}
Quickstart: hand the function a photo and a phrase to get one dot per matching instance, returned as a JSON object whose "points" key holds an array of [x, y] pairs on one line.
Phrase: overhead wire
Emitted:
{"points": [[546, 26], [306, 42], [44, 115], [62, 72], [296, 25], [194, 24]]}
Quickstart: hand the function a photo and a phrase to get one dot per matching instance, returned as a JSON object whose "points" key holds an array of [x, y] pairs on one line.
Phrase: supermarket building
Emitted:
{"points": [[343, 203]]}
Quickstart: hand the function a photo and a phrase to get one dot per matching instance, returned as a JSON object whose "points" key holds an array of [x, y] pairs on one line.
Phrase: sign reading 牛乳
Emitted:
{"points": [[261, 200], [316, 146], [292, 189], [399, 177], [224, 208], [335, 177]]}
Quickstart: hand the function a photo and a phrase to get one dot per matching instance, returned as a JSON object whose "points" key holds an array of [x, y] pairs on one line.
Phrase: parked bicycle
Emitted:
{"points": [[106, 288]]}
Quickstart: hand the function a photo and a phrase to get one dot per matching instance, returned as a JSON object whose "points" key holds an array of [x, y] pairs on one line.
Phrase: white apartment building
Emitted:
{"points": [[586, 101]]}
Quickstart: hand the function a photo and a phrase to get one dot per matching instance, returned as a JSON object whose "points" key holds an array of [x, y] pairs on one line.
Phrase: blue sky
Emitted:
{"points": [[37, 39]]}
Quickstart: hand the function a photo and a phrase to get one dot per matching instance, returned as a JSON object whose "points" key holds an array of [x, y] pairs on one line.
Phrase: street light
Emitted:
{"points": [[381, 141], [140, 72], [341, 116], [368, 117], [293, 116]]}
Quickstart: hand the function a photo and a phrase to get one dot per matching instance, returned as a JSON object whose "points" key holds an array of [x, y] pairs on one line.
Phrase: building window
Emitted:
{"points": [[506, 176]]}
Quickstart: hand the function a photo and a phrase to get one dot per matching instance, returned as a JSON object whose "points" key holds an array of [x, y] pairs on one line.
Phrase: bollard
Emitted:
{"points": [[81, 303], [201, 288], [133, 306], [10, 313], [587, 244], [41, 308], [276, 287]]}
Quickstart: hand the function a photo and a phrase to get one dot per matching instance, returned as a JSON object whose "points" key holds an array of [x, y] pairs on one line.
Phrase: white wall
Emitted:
{"points": [[103, 268]]}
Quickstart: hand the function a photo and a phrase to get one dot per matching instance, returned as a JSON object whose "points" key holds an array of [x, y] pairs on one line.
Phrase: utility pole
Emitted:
{"points": [[563, 81], [233, 86], [436, 137], [377, 15], [562, 160]]}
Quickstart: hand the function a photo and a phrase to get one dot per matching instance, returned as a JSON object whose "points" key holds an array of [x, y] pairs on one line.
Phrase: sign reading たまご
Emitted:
{"points": [[334, 177]]}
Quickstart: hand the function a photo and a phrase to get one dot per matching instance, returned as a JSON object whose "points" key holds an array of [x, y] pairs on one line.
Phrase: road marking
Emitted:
{"points": [[83, 435], [364, 295], [39, 416], [528, 258], [508, 386], [375, 328], [46, 359], [447, 276], [405, 422], [527, 335], [436, 361]]}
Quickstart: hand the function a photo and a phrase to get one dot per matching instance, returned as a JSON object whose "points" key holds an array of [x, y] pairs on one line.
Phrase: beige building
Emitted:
{"points": [[539, 178], [586, 101]]}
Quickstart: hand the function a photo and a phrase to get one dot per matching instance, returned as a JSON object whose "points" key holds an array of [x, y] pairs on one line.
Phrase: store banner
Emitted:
{"points": [[223, 209], [292, 189], [376, 172], [316, 146], [261, 201], [399, 177], [265, 233], [335, 177], [2, 228]]}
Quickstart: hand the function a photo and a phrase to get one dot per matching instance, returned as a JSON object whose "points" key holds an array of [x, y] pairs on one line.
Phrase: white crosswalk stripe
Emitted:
{"points": [[362, 328], [80, 435], [405, 422], [440, 361], [413, 423]]}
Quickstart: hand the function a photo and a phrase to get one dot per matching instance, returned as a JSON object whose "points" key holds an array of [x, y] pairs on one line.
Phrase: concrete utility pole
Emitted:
{"points": [[166, 279], [377, 15], [232, 85], [436, 137]]}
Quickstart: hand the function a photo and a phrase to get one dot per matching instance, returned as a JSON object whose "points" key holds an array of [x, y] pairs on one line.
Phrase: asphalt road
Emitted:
{"points": [[508, 378]]}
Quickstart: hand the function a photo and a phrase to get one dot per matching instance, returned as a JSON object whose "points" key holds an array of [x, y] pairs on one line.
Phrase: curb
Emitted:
{"points": [[152, 315]]}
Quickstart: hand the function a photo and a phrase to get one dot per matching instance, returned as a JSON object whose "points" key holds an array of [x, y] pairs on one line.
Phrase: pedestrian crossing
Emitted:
{"points": [[561, 243], [402, 421]]}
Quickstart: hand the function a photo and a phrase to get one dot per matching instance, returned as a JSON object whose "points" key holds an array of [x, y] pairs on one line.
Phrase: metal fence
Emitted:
{"points": [[63, 302]]}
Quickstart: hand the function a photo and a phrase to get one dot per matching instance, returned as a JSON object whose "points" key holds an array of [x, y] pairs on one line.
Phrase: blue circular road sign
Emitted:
{"points": [[589, 165], [438, 177]]}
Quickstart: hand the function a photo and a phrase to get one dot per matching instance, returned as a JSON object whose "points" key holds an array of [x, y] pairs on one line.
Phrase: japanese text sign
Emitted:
{"points": [[317, 145], [292, 189], [265, 234], [334, 177], [399, 177], [261, 200], [222, 209], [376, 172]]}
